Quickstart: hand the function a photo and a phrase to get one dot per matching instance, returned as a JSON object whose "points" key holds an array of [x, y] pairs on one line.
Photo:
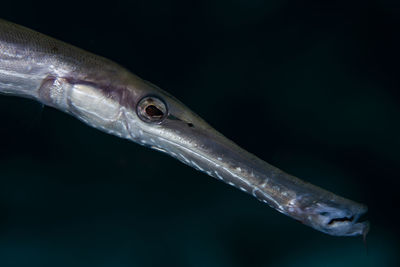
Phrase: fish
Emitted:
{"points": [[110, 98]]}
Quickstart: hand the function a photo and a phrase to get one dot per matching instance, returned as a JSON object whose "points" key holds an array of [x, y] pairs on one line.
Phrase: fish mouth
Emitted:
{"points": [[341, 217], [348, 226], [340, 220], [356, 225]]}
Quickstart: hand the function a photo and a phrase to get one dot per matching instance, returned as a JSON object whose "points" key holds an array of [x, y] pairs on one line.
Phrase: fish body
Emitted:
{"points": [[108, 97]]}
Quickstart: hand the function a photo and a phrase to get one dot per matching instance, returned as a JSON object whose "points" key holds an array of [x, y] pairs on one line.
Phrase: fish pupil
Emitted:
{"points": [[153, 111]]}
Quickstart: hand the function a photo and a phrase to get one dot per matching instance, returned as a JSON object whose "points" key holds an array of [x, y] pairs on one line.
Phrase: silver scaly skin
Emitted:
{"points": [[106, 96]]}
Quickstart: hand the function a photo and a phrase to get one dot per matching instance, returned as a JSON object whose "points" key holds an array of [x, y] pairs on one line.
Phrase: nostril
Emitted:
{"points": [[344, 219]]}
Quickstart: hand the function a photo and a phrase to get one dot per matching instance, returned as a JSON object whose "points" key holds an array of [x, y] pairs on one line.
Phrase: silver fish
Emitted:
{"points": [[108, 97]]}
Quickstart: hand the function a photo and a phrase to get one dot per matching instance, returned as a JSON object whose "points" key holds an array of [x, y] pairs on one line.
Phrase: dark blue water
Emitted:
{"points": [[309, 86]]}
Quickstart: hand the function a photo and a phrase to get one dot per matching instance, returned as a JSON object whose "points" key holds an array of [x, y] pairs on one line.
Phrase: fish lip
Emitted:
{"points": [[337, 216], [360, 228], [349, 225]]}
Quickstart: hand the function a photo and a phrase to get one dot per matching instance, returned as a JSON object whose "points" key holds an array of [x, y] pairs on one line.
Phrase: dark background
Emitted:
{"points": [[311, 87]]}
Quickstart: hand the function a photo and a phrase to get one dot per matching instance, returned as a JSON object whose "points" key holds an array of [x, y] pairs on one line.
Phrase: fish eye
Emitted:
{"points": [[151, 109]]}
